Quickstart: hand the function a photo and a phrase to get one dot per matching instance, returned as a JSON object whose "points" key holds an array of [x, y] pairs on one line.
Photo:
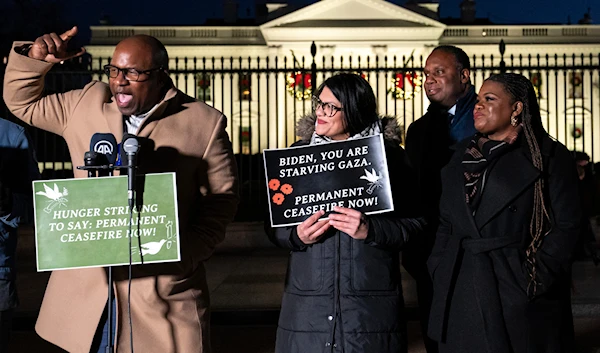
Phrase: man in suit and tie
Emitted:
{"points": [[169, 302], [429, 145]]}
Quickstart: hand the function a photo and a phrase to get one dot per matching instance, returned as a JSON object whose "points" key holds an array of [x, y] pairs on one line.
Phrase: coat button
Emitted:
{"points": [[335, 345], [512, 208], [327, 344], [330, 318]]}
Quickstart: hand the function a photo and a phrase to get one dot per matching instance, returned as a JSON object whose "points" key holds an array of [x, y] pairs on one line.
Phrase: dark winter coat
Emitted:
{"points": [[429, 148], [18, 168], [345, 295], [478, 262]]}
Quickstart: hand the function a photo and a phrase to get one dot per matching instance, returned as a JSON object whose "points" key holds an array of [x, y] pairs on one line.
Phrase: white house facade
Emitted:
{"points": [[259, 76]]}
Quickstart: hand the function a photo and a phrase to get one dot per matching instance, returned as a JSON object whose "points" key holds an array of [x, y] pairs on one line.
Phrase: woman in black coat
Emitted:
{"points": [[510, 218], [343, 289]]}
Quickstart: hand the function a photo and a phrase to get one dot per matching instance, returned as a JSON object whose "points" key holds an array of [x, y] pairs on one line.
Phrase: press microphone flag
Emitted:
{"points": [[105, 145]]}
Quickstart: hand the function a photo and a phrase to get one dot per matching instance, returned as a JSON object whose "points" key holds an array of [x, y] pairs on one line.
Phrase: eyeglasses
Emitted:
{"points": [[328, 108], [129, 73]]}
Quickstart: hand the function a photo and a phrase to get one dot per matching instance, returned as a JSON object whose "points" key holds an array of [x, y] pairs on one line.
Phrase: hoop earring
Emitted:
{"points": [[514, 121]]}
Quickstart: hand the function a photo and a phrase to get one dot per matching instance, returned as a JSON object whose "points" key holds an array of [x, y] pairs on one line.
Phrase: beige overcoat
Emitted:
{"points": [[169, 302]]}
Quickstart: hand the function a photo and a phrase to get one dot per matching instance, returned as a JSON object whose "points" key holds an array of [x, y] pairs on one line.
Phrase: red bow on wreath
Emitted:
{"points": [[302, 81], [204, 81], [244, 81], [410, 76], [299, 85], [398, 89]]}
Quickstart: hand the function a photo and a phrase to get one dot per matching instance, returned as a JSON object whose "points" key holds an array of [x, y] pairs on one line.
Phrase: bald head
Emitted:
{"points": [[148, 44], [148, 58]]}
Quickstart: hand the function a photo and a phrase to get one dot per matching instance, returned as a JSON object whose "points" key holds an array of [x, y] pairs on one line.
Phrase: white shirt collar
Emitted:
{"points": [[134, 121], [452, 110]]}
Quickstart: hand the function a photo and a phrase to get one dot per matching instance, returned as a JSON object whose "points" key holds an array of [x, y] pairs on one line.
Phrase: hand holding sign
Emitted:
{"points": [[311, 229], [303, 180], [352, 222]]}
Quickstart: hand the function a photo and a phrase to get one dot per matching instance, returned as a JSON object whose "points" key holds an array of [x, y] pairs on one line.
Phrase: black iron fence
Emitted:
{"points": [[265, 97]]}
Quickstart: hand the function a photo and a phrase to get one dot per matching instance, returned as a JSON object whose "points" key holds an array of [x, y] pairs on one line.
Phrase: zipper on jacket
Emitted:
{"points": [[336, 291]]}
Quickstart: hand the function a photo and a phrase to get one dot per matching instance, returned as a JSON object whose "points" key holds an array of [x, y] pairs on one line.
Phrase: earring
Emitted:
{"points": [[514, 121]]}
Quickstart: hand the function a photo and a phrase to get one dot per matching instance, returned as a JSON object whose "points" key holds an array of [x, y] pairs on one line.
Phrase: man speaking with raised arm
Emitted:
{"points": [[169, 302]]}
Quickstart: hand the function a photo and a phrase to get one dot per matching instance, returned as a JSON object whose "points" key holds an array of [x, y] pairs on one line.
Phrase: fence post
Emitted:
{"points": [[502, 50], [313, 67]]}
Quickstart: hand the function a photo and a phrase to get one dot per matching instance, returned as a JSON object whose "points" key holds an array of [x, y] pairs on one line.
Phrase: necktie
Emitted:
{"points": [[450, 118]]}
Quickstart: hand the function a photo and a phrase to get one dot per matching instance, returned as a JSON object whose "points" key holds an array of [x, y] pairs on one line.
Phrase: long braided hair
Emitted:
{"points": [[521, 89]]}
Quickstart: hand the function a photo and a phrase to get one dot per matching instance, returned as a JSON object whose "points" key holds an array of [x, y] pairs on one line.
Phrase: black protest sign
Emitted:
{"points": [[305, 179]]}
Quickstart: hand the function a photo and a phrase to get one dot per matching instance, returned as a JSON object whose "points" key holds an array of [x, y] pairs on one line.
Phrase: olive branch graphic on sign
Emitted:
{"points": [[373, 179], [56, 197], [154, 247]]}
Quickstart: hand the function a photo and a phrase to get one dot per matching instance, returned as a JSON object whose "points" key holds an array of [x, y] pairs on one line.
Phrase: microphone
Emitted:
{"points": [[90, 159], [103, 150], [104, 145], [131, 148]]}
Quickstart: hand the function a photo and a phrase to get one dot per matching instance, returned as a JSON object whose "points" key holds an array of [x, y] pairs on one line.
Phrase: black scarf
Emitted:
{"points": [[480, 155]]}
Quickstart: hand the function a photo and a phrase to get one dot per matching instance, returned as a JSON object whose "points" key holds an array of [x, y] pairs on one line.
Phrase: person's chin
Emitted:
{"points": [[322, 133], [127, 110], [433, 98]]}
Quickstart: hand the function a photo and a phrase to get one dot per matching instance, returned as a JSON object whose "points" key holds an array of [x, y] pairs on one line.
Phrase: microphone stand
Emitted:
{"points": [[110, 305], [90, 159], [130, 146]]}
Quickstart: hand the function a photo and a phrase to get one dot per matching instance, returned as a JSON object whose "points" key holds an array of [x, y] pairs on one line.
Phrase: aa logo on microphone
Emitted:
{"points": [[104, 147]]}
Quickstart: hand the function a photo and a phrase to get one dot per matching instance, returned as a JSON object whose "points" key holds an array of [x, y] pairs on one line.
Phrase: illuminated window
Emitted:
{"points": [[204, 87], [244, 85]]}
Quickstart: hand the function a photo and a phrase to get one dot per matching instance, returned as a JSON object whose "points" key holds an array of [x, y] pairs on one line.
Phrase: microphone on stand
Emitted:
{"points": [[100, 161], [104, 144], [90, 159], [131, 147]]}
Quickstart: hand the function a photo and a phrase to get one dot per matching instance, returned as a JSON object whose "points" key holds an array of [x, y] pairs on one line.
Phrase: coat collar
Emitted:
{"points": [[115, 121], [508, 178], [151, 120], [391, 130]]}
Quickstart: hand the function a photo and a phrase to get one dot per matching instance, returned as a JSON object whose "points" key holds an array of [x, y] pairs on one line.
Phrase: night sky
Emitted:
{"points": [[194, 12]]}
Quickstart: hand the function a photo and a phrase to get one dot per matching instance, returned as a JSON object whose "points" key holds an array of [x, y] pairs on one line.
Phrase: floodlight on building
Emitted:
{"points": [[379, 49]]}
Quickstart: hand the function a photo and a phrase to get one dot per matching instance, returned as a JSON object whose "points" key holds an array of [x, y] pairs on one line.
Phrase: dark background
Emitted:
{"points": [[27, 19]]}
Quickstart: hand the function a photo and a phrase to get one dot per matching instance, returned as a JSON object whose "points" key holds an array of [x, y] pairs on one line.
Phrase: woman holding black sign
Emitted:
{"points": [[510, 217], [343, 289]]}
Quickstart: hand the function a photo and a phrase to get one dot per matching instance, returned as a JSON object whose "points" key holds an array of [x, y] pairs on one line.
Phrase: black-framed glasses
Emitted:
{"points": [[328, 108], [130, 74]]}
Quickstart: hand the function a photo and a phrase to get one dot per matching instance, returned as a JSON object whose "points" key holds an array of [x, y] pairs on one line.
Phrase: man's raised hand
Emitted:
{"points": [[52, 47]]}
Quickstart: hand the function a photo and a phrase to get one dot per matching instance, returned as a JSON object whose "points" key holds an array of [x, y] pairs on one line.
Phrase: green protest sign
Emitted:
{"points": [[86, 222]]}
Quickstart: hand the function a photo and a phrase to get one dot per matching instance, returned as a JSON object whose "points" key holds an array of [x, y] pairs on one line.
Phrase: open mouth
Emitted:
{"points": [[123, 99]]}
